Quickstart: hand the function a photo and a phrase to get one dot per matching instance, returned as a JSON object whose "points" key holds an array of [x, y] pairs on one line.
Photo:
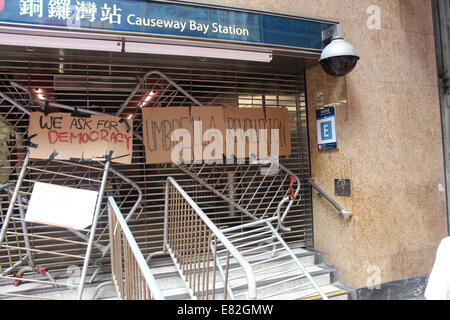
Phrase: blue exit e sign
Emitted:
{"points": [[326, 128]]}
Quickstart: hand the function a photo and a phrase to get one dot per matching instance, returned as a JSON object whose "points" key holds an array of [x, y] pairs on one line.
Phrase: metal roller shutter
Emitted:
{"points": [[103, 81]]}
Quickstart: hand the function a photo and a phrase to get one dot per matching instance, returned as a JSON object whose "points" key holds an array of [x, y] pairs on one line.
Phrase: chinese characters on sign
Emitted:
{"points": [[67, 9], [124, 15], [112, 15], [31, 8]]}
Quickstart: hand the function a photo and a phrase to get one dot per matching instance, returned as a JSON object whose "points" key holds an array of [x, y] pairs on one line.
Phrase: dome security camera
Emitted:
{"points": [[338, 58]]}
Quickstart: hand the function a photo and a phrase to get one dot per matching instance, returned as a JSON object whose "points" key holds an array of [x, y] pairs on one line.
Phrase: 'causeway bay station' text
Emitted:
{"points": [[183, 26]]}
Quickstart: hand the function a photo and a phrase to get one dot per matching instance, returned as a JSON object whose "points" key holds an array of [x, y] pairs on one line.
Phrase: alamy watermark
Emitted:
{"points": [[212, 145], [374, 280], [374, 20]]}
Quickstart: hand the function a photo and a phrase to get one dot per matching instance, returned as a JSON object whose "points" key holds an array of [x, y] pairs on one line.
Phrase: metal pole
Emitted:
{"points": [[339, 209], [210, 188], [166, 214], [93, 228], [105, 249], [14, 197], [127, 101], [4, 96], [251, 282], [292, 254], [135, 253], [25, 231]]}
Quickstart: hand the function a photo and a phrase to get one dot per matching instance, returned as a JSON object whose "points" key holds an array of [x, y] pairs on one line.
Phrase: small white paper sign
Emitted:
{"points": [[61, 206]]}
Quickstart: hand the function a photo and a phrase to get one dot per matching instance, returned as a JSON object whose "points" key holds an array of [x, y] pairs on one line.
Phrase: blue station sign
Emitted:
{"points": [[166, 18]]}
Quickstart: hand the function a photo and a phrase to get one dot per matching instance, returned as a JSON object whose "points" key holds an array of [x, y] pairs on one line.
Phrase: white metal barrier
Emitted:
{"points": [[247, 261], [192, 240], [131, 275]]}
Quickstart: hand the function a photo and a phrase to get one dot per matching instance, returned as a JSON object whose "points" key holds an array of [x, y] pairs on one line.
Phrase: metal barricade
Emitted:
{"points": [[131, 275], [241, 185], [27, 248], [249, 260], [193, 241], [14, 242]]}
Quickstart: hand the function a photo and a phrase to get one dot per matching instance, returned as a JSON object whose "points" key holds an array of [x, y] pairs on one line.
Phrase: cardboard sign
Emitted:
{"points": [[278, 118], [208, 143], [158, 125], [64, 137], [247, 131], [61, 206], [244, 126], [261, 142]]}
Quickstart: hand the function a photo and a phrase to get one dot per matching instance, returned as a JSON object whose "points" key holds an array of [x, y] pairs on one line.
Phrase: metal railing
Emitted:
{"points": [[240, 187], [131, 275], [192, 240], [321, 192], [277, 270]]}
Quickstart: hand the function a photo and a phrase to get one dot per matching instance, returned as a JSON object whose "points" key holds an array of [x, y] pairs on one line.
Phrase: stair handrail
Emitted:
{"points": [[251, 282], [338, 207]]}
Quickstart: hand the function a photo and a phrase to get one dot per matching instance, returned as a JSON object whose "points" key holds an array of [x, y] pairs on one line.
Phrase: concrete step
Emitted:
{"points": [[174, 288], [167, 275], [333, 292], [306, 257]]}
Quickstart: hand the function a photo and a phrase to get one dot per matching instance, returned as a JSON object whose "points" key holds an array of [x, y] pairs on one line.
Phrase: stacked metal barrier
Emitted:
{"points": [[23, 245], [33, 237]]}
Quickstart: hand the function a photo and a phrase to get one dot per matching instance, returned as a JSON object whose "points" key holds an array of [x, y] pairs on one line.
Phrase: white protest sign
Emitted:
{"points": [[61, 206]]}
